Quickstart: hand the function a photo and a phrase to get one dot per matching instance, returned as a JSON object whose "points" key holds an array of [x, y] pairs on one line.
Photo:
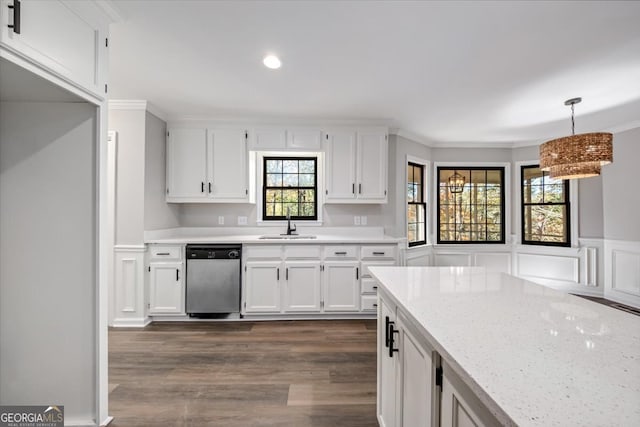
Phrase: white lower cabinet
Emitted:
{"points": [[166, 288], [341, 286], [302, 286], [405, 374], [310, 279], [416, 386], [262, 289]]}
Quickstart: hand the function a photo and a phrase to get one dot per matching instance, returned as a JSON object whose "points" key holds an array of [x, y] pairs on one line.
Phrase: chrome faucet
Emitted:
{"points": [[290, 231]]}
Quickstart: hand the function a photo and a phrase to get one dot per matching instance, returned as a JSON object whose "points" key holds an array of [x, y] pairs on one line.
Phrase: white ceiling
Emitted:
{"points": [[446, 72]]}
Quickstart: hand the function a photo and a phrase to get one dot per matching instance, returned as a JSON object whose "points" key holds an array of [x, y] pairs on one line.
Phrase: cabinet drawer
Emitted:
{"points": [[340, 252], [379, 252], [262, 251], [365, 266], [296, 251], [369, 286], [166, 253], [369, 302]]}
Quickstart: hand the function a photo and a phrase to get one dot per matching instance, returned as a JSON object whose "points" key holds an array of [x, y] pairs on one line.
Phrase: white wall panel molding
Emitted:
{"points": [[548, 269], [622, 271], [128, 292], [418, 256]]}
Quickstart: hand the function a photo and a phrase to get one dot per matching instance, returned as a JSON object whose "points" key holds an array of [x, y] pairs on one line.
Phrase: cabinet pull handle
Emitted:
{"points": [[162, 253], [353, 188], [177, 274], [378, 253], [375, 287], [357, 273], [359, 188], [375, 305], [209, 187], [202, 187], [391, 340], [340, 253], [278, 273], [16, 16], [286, 273], [386, 331]]}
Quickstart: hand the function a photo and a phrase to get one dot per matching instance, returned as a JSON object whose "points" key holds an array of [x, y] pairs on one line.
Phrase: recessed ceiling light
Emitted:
{"points": [[271, 61]]}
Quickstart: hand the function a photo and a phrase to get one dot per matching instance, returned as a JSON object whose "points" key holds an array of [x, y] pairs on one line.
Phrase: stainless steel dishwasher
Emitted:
{"points": [[213, 279]]}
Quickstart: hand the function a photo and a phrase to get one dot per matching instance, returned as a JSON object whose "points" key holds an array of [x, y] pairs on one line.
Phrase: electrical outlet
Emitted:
{"points": [[242, 220], [220, 220], [356, 220], [363, 220]]}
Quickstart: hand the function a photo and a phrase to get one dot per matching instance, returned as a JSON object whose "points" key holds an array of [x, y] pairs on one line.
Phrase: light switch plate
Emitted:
{"points": [[242, 220], [220, 220], [356, 220], [363, 220]]}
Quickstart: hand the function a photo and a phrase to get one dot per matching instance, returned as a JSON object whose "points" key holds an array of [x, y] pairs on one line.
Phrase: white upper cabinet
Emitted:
{"points": [[340, 169], [269, 138], [186, 164], [207, 165], [356, 166], [372, 153], [227, 180], [68, 38]]}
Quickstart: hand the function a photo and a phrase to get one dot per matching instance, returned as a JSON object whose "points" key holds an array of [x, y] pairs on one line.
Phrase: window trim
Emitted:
{"points": [[506, 199], [263, 173], [424, 164], [568, 202]]}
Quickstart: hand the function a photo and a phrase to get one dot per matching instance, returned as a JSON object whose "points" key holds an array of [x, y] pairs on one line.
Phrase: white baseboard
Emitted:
{"points": [[131, 323], [106, 422]]}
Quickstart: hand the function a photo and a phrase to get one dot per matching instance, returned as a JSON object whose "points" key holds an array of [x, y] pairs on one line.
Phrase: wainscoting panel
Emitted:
{"points": [[622, 270], [128, 292], [494, 261], [548, 267], [453, 260]]}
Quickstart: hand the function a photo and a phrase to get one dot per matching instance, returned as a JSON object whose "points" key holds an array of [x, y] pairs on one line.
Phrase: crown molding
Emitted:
{"points": [[136, 104], [276, 121]]}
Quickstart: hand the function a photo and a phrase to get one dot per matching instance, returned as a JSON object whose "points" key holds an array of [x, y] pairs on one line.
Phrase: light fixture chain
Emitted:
{"points": [[573, 123]]}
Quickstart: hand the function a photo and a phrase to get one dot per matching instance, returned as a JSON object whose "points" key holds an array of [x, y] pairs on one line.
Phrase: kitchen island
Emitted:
{"points": [[462, 346]]}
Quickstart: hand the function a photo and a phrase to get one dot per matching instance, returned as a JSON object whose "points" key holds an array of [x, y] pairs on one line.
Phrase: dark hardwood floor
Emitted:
{"points": [[284, 373]]}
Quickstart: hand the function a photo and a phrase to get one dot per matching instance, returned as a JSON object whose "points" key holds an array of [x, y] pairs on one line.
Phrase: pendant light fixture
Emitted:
{"points": [[576, 156], [456, 183]]}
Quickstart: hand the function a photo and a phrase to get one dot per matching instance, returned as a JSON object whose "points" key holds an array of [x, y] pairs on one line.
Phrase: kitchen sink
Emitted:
{"points": [[286, 236]]}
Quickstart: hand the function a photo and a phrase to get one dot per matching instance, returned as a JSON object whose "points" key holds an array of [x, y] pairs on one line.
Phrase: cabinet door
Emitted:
{"points": [[372, 154], [457, 407], [262, 286], [387, 367], [304, 139], [302, 286], [268, 138], [340, 175], [63, 36], [227, 165], [341, 286], [166, 289], [186, 164], [416, 382]]}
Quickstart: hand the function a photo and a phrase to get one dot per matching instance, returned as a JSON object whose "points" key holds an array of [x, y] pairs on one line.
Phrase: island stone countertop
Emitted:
{"points": [[533, 355]]}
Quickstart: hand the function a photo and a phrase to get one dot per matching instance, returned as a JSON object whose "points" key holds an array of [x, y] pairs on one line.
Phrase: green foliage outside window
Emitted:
{"points": [[290, 187], [476, 213], [545, 208]]}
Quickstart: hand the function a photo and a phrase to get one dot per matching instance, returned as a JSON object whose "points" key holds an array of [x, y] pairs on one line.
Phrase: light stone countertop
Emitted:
{"points": [[533, 355], [246, 235]]}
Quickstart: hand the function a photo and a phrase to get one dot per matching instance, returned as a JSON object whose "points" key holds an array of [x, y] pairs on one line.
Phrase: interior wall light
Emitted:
{"points": [[576, 156], [456, 183]]}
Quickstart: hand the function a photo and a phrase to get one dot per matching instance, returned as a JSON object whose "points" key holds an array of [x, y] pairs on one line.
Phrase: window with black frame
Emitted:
{"points": [[471, 205], [290, 186], [545, 208], [416, 206]]}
